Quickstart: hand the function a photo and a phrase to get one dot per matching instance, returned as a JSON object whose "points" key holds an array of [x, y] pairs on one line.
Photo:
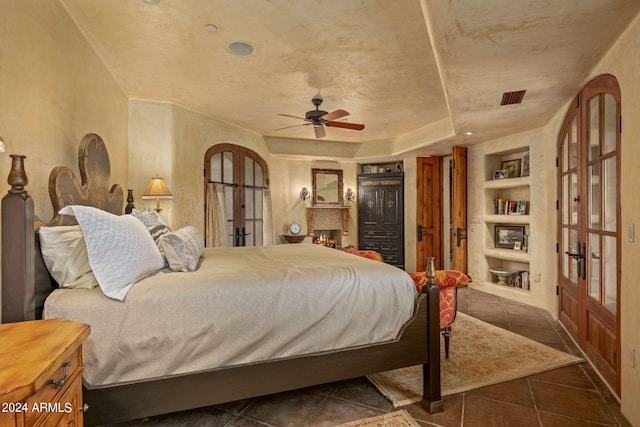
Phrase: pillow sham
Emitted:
{"points": [[182, 248], [150, 218], [155, 224], [120, 249], [65, 255]]}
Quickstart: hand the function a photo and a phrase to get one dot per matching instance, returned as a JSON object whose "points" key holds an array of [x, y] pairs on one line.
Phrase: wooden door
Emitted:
{"points": [[589, 224], [459, 209], [245, 177], [429, 211]]}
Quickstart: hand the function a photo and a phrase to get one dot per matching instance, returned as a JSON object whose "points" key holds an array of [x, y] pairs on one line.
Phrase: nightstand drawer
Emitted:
{"points": [[71, 411], [47, 402]]}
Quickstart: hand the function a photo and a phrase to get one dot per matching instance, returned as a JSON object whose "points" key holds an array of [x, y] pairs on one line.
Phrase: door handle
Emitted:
{"points": [[583, 252], [460, 234], [237, 236], [581, 259], [419, 233], [577, 256]]}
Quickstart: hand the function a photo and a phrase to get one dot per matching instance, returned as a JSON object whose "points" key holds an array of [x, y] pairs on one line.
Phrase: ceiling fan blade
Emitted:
{"points": [[335, 115], [319, 130], [293, 126], [346, 125], [289, 115]]}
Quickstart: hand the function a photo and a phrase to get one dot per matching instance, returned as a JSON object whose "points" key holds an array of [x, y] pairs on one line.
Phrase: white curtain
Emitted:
{"points": [[216, 216], [267, 227]]}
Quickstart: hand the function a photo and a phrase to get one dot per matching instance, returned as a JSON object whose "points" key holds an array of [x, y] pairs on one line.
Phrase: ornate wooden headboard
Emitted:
{"points": [[26, 283]]}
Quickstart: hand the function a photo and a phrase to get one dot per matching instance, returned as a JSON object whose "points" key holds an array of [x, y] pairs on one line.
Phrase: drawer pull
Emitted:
{"points": [[59, 383], [84, 408]]}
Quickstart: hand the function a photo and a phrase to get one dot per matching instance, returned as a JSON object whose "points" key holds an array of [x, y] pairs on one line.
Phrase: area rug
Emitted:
{"points": [[392, 419], [481, 354]]}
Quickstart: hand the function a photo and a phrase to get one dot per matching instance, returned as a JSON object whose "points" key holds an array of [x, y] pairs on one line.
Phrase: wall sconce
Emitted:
{"points": [[157, 189], [348, 195], [304, 193]]}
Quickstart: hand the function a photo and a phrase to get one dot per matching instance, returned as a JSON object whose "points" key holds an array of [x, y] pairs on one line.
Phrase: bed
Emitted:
{"points": [[279, 346]]}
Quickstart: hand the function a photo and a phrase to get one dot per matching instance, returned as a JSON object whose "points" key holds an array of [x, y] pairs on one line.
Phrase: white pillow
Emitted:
{"points": [[121, 250], [65, 255], [182, 248]]}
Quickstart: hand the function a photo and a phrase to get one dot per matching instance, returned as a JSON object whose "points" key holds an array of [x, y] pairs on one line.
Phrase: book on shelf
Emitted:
{"points": [[510, 207], [521, 280]]}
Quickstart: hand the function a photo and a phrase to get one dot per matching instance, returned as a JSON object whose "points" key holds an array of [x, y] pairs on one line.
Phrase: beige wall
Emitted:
{"points": [[54, 90], [623, 61]]}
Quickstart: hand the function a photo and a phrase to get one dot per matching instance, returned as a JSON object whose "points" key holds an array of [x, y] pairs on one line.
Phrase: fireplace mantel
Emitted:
{"points": [[328, 218]]}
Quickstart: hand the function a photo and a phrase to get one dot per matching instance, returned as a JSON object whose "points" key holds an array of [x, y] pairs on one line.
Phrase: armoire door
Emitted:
{"points": [[589, 225]]}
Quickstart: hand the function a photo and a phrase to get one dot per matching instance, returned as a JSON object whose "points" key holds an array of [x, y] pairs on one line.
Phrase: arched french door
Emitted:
{"points": [[589, 224], [243, 179]]}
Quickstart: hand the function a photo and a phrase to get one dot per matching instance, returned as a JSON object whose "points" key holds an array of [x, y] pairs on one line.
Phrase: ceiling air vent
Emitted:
{"points": [[509, 98]]}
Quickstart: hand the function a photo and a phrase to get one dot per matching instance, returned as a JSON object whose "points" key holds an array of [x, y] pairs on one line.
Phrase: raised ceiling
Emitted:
{"points": [[418, 74]]}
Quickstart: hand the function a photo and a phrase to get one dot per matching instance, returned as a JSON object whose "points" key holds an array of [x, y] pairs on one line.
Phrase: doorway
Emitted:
{"points": [[441, 205], [243, 178], [589, 224]]}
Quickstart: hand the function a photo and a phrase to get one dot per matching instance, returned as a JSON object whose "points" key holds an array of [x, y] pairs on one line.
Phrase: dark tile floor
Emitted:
{"points": [[570, 396]]}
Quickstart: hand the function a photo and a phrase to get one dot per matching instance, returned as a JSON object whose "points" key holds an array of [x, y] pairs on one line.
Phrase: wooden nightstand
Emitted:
{"points": [[40, 373]]}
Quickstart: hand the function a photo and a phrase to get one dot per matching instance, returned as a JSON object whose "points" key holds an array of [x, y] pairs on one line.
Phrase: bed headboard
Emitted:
{"points": [[26, 283]]}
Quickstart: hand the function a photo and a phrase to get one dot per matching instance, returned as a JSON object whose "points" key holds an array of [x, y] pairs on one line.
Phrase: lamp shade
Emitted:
{"points": [[157, 189]]}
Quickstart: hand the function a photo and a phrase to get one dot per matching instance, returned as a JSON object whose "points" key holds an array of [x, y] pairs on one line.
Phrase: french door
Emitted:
{"points": [[245, 178], [589, 224]]}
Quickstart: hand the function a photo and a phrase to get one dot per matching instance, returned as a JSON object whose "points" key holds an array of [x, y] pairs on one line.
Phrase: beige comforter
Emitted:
{"points": [[242, 305]]}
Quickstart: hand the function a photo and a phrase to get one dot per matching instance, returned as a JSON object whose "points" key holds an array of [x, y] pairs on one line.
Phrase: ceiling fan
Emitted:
{"points": [[319, 119]]}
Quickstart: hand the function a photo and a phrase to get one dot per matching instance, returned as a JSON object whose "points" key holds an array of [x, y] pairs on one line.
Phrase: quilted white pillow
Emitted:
{"points": [[65, 255], [120, 249], [182, 248]]}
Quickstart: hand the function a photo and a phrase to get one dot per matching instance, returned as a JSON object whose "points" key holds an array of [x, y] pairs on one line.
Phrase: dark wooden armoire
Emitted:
{"points": [[381, 215]]}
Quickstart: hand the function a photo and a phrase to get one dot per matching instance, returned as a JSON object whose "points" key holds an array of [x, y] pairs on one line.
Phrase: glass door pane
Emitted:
{"points": [[609, 272], [593, 270], [610, 124], [573, 199], [573, 145], [594, 128], [610, 194], [595, 205], [571, 261]]}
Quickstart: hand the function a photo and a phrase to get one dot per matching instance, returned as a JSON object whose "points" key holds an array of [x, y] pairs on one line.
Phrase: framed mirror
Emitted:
{"points": [[327, 186]]}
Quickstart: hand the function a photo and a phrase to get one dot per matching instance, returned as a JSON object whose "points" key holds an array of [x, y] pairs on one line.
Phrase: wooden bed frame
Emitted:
{"points": [[26, 283]]}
